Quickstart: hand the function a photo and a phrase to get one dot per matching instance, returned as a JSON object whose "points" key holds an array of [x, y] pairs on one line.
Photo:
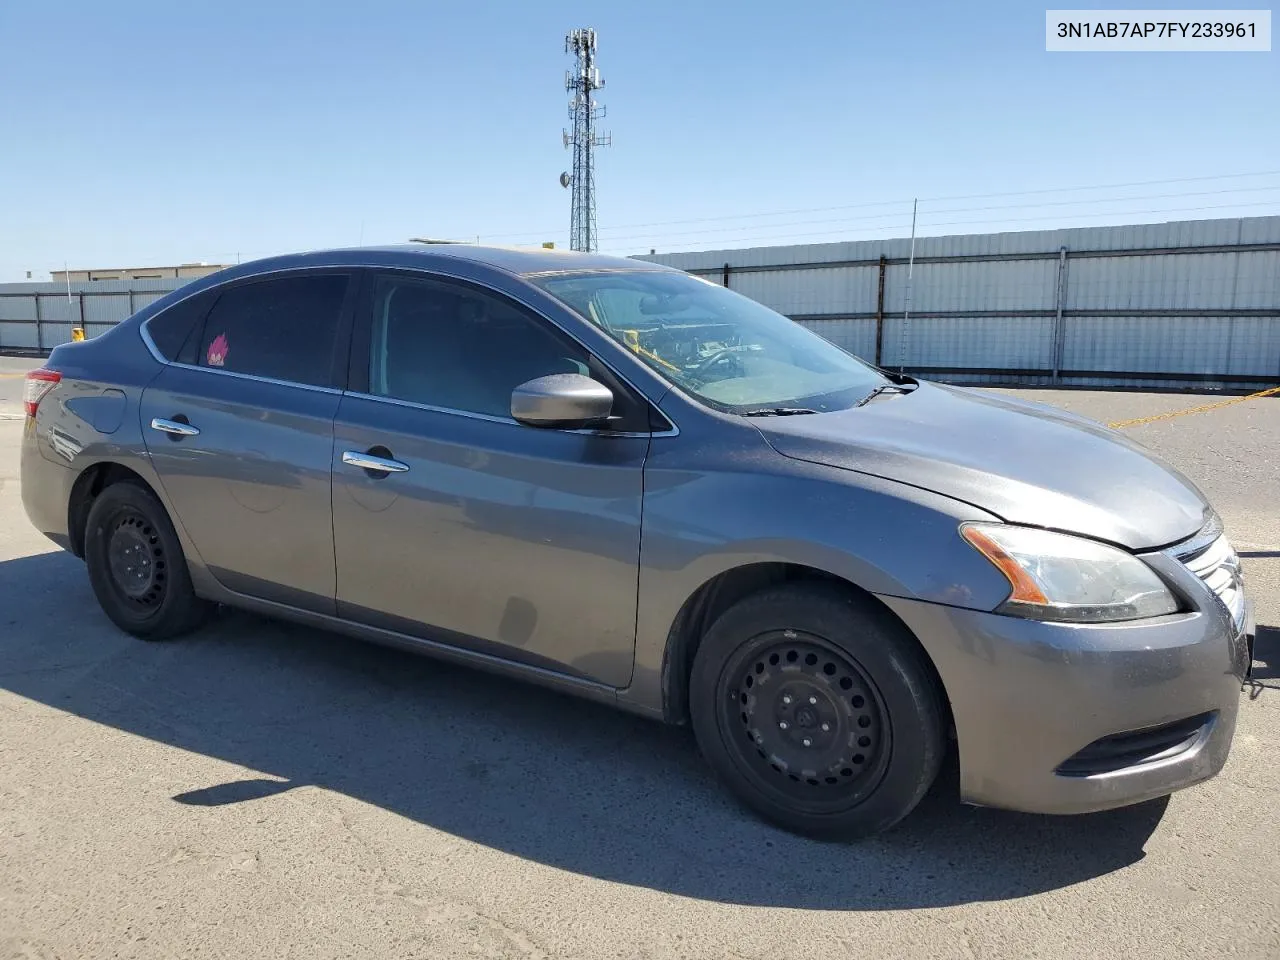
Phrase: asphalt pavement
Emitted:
{"points": [[263, 790]]}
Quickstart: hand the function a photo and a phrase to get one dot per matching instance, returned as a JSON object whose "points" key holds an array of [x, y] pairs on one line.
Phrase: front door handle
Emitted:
{"points": [[367, 461], [174, 428]]}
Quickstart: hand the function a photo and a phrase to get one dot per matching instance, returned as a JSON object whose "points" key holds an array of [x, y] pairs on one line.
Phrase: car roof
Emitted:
{"points": [[454, 259], [520, 261]]}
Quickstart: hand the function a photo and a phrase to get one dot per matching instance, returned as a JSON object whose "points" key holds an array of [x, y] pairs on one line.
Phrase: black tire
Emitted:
{"points": [[136, 566], [819, 710]]}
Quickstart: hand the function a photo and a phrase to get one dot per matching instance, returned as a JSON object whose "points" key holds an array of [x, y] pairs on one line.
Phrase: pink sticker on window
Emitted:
{"points": [[217, 355]]}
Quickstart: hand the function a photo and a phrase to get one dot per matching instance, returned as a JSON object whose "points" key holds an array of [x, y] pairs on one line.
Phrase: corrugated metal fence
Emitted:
{"points": [[1172, 305], [40, 316]]}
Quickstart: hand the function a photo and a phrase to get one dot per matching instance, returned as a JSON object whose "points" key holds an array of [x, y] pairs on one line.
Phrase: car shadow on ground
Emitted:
{"points": [[538, 775]]}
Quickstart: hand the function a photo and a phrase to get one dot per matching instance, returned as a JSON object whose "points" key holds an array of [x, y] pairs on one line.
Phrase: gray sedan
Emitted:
{"points": [[630, 484]]}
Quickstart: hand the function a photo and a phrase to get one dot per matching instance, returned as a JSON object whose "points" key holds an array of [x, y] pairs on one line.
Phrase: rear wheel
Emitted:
{"points": [[136, 565], [818, 710]]}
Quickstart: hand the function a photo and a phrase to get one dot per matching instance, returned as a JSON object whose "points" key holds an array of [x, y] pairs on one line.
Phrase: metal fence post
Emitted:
{"points": [[724, 280], [78, 332], [880, 314], [1060, 298]]}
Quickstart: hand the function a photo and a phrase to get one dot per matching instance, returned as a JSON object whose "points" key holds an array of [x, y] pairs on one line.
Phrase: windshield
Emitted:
{"points": [[726, 350]]}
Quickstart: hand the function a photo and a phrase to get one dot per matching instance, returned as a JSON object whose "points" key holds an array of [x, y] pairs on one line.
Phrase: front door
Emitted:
{"points": [[243, 437], [513, 540]]}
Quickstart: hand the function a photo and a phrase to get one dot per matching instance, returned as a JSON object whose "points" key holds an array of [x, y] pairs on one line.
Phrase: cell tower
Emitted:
{"points": [[581, 81]]}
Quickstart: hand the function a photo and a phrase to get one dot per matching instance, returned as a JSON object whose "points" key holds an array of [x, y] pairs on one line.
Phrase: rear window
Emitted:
{"points": [[178, 327], [284, 329]]}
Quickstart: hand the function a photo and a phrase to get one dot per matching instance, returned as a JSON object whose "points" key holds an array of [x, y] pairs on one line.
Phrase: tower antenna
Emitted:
{"points": [[581, 82]]}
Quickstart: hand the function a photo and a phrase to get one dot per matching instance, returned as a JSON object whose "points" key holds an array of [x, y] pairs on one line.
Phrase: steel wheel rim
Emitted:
{"points": [[135, 560], [786, 687]]}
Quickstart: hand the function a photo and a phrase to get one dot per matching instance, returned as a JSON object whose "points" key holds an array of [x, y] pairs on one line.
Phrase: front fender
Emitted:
{"points": [[885, 537]]}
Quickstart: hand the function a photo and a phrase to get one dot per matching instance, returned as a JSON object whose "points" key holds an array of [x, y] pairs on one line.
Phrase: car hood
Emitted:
{"points": [[1024, 462]]}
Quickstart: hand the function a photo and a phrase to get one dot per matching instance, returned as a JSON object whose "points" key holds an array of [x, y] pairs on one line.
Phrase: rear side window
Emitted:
{"points": [[285, 329], [179, 326]]}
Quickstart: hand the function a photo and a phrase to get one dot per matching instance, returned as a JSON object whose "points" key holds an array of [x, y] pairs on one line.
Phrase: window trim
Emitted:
{"points": [[339, 359], [253, 376], [361, 348], [674, 431]]}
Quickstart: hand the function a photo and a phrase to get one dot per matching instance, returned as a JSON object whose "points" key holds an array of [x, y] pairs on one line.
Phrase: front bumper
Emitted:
{"points": [[1028, 696]]}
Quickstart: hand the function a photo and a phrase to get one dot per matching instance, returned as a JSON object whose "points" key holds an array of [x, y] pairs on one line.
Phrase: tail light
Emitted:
{"points": [[36, 387]]}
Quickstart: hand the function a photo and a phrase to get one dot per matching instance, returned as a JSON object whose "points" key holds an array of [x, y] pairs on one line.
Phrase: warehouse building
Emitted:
{"points": [[183, 271]]}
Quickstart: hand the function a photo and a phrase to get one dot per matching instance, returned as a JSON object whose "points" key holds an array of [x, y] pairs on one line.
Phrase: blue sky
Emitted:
{"points": [[141, 132]]}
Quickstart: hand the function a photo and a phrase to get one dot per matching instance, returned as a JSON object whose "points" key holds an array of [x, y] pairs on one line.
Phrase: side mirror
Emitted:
{"points": [[561, 400]]}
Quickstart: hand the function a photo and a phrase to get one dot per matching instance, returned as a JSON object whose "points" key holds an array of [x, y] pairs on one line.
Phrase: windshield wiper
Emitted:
{"points": [[883, 388], [778, 412]]}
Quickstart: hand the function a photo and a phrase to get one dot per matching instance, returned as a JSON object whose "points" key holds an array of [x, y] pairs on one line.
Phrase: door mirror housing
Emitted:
{"points": [[565, 400]]}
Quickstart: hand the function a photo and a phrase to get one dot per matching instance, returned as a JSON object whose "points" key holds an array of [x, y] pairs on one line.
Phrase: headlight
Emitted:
{"points": [[1058, 577]]}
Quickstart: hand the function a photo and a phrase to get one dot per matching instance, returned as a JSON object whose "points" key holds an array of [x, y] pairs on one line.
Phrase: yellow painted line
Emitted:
{"points": [[1203, 408], [12, 374]]}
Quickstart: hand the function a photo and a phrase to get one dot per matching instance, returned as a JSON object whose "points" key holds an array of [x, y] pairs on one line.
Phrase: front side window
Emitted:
{"points": [[728, 351], [457, 348], [284, 329]]}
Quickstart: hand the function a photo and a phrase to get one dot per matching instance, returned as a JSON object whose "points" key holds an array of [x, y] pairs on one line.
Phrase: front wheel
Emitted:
{"points": [[819, 710]]}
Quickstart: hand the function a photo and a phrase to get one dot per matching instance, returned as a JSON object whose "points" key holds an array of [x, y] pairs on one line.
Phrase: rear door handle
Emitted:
{"points": [[367, 461], [174, 428]]}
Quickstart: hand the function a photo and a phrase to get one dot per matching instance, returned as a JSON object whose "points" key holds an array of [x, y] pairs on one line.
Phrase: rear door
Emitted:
{"points": [[511, 540], [242, 436]]}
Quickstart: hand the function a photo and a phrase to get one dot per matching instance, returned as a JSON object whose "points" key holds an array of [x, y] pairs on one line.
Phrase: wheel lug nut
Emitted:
{"points": [[826, 727], [813, 700], [782, 724], [786, 699], [807, 742]]}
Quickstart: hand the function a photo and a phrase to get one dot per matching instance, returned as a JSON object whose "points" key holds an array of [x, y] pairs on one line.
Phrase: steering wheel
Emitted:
{"points": [[715, 358]]}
